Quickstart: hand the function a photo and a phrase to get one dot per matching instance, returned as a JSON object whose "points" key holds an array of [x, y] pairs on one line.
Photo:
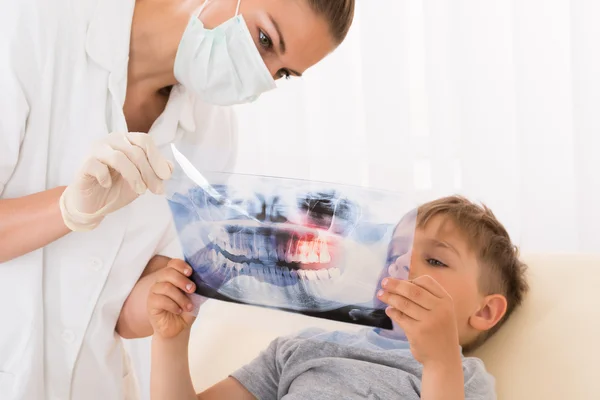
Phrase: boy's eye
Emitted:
{"points": [[264, 40], [435, 263]]}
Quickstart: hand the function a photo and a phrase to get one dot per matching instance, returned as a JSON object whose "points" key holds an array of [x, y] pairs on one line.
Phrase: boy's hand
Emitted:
{"points": [[169, 307], [425, 311]]}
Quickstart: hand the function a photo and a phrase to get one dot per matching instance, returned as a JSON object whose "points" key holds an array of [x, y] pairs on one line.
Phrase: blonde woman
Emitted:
{"points": [[93, 92]]}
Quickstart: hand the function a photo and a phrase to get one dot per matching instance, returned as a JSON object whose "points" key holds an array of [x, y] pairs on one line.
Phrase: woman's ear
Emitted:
{"points": [[491, 311]]}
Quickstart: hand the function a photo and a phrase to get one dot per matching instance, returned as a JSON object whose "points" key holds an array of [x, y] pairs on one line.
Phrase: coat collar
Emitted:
{"points": [[108, 43], [178, 116], [108, 34]]}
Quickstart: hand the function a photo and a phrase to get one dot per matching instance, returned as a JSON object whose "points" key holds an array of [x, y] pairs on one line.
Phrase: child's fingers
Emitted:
{"points": [[176, 274], [404, 305], [159, 303], [180, 265], [171, 291], [411, 291], [400, 318], [431, 285]]}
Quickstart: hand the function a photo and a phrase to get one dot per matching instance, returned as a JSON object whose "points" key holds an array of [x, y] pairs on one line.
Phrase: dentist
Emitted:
{"points": [[81, 211]]}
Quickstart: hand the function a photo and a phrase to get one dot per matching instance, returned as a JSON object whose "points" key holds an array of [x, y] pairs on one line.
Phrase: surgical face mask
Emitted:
{"points": [[221, 65]]}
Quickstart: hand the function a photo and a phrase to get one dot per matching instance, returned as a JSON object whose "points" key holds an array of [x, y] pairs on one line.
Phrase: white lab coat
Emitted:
{"points": [[63, 70]]}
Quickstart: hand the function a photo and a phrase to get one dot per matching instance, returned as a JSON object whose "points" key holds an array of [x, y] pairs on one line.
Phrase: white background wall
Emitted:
{"points": [[498, 100]]}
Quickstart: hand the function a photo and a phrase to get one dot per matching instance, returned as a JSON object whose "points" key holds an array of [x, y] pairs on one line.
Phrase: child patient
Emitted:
{"points": [[465, 280]]}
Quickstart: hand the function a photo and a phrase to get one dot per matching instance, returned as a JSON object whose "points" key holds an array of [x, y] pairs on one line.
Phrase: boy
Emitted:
{"points": [[465, 280]]}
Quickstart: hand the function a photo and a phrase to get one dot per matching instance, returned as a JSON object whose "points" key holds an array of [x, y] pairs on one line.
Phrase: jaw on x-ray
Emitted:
{"points": [[308, 247]]}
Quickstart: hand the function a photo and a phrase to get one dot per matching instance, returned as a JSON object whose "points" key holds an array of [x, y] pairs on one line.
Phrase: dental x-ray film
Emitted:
{"points": [[314, 248]]}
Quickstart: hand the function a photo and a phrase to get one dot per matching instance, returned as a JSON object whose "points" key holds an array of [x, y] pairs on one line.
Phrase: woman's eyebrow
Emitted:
{"points": [[282, 47], [281, 40]]}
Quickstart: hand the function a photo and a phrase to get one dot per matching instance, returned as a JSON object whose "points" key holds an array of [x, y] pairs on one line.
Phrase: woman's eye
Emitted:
{"points": [[264, 40], [435, 263], [284, 74]]}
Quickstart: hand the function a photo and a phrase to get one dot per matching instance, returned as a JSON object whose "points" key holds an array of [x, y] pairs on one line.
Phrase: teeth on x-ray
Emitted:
{"points": [[323, 275], [334, 273], [262, 254], [255, 246], [212, 255], [290, 252], [260, 271]]}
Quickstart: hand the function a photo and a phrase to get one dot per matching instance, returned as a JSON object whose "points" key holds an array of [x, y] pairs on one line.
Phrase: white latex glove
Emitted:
{"points": [[121, 168]]}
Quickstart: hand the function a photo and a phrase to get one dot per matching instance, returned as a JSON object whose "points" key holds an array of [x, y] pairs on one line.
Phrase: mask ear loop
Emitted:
{"points": [[201, 8], [237, 9]]}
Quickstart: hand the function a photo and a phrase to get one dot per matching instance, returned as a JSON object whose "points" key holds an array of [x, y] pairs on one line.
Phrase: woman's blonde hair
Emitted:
{"points": [[338, 13]]}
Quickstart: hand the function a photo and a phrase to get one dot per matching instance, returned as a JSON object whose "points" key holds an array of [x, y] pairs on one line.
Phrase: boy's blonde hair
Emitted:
{"points": [[501, 271]]}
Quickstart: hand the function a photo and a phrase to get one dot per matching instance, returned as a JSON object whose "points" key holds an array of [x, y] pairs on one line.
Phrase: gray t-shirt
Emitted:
{"points": [[320, 365]]}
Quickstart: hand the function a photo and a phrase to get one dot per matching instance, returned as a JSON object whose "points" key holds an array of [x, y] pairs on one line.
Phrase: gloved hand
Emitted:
{"points": [[121, 168]]}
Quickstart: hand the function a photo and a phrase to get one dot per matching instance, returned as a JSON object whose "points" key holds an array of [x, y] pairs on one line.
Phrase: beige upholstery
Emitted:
{"points": [[549, 350]]}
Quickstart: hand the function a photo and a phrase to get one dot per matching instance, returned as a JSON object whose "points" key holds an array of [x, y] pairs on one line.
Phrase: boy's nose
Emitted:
{"points": [[400, 269]]}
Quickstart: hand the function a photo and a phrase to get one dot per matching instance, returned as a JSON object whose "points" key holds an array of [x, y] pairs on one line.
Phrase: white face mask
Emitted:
{"points": [[221, 65]]}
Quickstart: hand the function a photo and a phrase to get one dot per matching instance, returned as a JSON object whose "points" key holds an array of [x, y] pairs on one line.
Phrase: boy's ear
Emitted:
{"points": [[491, 311]]}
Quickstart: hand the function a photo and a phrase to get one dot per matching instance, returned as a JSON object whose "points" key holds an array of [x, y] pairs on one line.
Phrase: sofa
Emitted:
{"points": [[549, 349]]}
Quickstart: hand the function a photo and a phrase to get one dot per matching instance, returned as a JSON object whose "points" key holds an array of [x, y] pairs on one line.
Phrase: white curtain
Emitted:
{"points": [[498, 100]]}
